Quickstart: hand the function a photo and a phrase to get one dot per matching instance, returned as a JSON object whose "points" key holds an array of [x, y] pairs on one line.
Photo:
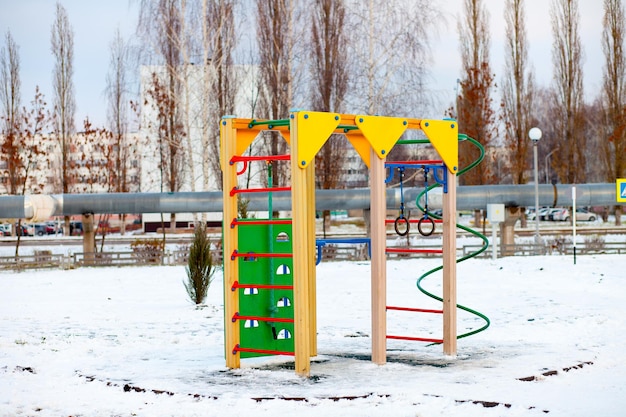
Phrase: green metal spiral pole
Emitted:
{"points": [[467, 229]]}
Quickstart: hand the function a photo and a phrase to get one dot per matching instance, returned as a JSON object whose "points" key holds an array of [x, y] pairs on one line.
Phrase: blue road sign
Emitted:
{"points": [[621, 190]]}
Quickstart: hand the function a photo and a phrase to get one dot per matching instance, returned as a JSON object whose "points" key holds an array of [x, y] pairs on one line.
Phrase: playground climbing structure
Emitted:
{"points": [[373, 137]]}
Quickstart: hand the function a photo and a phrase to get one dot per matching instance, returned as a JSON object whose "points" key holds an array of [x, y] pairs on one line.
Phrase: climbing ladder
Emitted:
{"points": [[440, 175], [265, 285]]}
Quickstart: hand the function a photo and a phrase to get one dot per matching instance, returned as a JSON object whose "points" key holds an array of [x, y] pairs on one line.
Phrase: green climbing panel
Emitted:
{"points": [[263, 302]]}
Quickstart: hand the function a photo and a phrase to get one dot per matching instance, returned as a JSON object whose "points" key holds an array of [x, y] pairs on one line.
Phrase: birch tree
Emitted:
{"points": [[389, 55]]}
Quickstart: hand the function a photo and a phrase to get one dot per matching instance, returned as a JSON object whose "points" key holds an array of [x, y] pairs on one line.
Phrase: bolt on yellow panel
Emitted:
{"points": [[382, 132], [444, 136]]}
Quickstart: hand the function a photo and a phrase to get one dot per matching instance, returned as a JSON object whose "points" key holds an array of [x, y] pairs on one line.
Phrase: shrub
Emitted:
{"points": [[595, 243], [560, 244], [200, 266], [148, 250]]}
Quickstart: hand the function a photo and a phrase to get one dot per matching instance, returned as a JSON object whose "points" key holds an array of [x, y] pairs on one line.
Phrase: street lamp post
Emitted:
{"points": [[546, 164], [535, 134]]}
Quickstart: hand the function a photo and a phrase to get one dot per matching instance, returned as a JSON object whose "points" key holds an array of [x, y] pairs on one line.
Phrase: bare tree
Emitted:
{"points": [[275, 37], [118, 116], [10, 97], [389, 54], [614, 94], [329, 84], [567, 56], [476, 116], [161, 28], [62, 45], [170, 134], [219, 79], [517, 91], [26, 154]]}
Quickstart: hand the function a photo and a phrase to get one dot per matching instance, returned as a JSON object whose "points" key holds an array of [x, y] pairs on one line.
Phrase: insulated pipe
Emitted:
{"points": [[468, 198]]}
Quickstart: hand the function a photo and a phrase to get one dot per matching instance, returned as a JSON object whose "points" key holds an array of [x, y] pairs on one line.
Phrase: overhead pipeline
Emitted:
{"points": [[468, 198]]}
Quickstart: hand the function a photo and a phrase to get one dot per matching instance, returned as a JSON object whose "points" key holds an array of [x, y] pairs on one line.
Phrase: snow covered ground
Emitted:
{"points": [[127, 342]]}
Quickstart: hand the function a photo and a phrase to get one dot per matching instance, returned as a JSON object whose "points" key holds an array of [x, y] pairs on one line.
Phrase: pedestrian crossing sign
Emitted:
{"points": [[621, 190]]}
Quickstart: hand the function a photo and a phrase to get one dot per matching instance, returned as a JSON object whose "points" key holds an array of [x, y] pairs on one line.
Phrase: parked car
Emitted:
{"points": [[57, 227], [558, 214], [43, 229], [583, 215], [76, 228], [542, 213], [25, 229], [5, 229]]}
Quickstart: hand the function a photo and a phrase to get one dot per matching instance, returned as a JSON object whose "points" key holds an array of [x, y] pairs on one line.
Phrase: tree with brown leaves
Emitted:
{"points": [[613, 142], [329, 85], [517, 92], [161, 26], [275, 37], [62, 45], [10, 97], [567, 99], [476, 116]]}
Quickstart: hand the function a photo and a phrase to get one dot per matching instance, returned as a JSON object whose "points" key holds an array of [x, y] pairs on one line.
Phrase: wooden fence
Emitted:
{"points": [[358, 252]]}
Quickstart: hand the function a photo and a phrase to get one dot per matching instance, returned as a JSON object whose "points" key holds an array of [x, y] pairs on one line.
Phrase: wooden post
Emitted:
{"points": [[89, 238], [379, 261], [301, 254], [232, 337], [449, 267], [311, 258]]}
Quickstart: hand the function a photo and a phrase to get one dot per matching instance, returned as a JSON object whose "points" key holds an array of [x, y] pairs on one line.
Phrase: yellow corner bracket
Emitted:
{"points": [[382, 132], [444, 136], [313, 130], [360, 144]]}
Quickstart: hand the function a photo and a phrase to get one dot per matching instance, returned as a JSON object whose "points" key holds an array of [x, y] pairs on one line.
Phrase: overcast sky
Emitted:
{"points": [[95, 22]]}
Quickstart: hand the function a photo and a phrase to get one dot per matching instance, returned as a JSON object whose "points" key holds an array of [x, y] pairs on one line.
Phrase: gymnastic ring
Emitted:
{"points": [[399, 220], [432, 223]]}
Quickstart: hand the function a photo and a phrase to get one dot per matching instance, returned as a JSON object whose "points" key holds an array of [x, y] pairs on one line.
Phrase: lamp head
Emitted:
{"points": [[534, 134]]}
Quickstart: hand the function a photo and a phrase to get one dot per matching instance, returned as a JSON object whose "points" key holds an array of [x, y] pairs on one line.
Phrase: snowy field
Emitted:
{"points": [[127, 342]]}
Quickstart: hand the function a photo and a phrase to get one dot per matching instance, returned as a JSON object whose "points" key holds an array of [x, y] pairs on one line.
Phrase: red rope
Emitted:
{"points": [[236, 254], [236, 222], [415, 339], [237, 158], [416, 310], [236, 190], [399, 250], [276, 319], [261, 286], [238, 348]]}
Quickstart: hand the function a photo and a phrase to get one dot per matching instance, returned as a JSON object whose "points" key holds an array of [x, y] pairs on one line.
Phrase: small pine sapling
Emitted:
{"points": [[200, 266]]}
